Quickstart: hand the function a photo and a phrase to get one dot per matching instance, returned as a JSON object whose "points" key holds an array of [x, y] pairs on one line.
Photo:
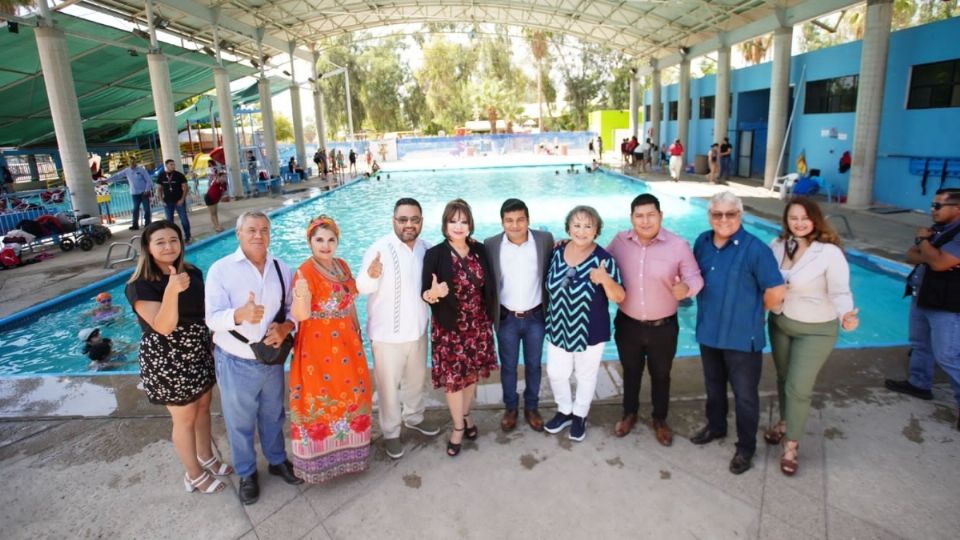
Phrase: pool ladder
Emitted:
{"points": [[131, 253]]}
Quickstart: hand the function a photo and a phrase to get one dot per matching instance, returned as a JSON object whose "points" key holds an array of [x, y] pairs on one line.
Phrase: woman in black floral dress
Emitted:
{"points": [[455, 284], [176, 364]]}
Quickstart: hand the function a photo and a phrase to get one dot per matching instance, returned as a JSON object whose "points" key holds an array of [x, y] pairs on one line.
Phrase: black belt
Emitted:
{"points": [[521, 314], [653, 323]]}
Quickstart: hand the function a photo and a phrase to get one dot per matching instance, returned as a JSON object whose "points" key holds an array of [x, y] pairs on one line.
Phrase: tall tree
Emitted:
{"points": [[537, 40], [443, 77], [341, 52], [382, 76], [283, 127]]}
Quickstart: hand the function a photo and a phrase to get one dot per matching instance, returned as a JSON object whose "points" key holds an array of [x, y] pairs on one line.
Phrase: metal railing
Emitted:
{"points": [[131, 254]]}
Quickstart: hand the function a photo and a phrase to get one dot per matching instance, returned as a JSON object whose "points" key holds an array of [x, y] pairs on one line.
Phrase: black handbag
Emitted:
{"points": [[268, 354]]}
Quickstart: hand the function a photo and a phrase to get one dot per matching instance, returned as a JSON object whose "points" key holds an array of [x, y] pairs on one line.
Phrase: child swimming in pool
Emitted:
{"points": [[105, 311], [100, 351]]}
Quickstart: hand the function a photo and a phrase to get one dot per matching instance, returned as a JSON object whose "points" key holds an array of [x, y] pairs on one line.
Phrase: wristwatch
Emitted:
{"points": [[917, 240]]}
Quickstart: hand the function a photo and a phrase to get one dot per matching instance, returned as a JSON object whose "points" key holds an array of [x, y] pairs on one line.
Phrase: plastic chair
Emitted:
{"points": [[784, 183]]}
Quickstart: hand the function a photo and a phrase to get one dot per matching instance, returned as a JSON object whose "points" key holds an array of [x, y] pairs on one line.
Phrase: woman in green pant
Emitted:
{"points": [[803, 330]]}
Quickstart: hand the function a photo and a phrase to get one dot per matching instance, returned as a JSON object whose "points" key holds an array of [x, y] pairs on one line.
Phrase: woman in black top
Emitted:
{"points": [[459, 286], [176, 364]]}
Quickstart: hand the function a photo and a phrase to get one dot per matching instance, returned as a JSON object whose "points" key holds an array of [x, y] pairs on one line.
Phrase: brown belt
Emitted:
{"points": [[521, 314]]}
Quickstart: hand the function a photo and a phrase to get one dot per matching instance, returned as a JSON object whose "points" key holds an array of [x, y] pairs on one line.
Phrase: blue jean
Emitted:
{"points": [[530, 331], [933, 339], [251, 396], [742, 370], [182, 212], [724, 166], [144, 200]]}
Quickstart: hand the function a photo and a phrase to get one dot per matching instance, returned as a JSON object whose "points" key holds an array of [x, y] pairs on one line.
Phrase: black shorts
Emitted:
{"points": [[208, 201]]}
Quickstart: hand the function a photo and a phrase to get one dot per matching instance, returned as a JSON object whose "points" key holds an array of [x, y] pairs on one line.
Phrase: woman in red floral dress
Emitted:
{"points": [[457, 283], [330, 392]]}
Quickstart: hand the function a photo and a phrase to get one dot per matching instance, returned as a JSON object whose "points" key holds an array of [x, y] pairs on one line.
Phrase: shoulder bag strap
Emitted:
{"points": [[280, 316]]}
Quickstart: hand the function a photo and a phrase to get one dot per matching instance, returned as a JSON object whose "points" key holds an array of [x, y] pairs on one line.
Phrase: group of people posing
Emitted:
{"points": [[522, 286]]}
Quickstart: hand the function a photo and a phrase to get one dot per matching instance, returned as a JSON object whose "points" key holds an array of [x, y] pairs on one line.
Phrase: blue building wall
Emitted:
{"points": [[904, 133]]}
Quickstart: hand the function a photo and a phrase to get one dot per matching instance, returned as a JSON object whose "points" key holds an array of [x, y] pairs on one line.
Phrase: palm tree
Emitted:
{"points": [[538, 47]]}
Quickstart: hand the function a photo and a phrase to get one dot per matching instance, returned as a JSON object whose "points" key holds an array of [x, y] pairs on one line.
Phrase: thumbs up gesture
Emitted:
{"points": [[301, 289], [436, 291], [250, 312], [178, 282], [679, 288], [376, 267], [850, 320], [599, 274]]}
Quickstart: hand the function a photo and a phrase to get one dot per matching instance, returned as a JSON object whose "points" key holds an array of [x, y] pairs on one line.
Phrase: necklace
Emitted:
{"points": [[334, 271]]}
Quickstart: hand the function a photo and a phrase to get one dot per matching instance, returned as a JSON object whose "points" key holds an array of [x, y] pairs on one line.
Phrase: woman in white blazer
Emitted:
{"points": [[803, 330]]}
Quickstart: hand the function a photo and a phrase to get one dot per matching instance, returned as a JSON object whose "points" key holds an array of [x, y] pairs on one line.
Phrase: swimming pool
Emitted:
{"points": [[48, 344]]}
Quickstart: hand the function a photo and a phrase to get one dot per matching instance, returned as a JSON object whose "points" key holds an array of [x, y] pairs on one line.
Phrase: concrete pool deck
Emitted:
{"points": [[89, 457]]}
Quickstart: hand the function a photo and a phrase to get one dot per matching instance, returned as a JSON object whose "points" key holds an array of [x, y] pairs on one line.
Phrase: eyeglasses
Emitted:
{"points": [[939, 205], [731, 215], [403, 220], [568, 278]]}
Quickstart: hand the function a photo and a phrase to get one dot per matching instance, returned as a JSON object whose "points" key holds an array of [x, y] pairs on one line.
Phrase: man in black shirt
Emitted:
{"points": [[173, 186], [725, 159]]}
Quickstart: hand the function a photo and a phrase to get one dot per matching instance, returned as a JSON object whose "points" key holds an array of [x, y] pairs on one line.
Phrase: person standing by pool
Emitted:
{"points": [[519, 258], [803, 330], [935, 309], [581, 280], [725, 158], [397, 324], [353, 161], [458, 284], [141, 187], [176, 367], [658, 272], [330, 391], [741, 280], [241, 288], [676, 159], [174, 189]]}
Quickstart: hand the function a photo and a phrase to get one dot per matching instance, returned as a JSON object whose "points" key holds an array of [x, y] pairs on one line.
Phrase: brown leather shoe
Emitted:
{"points": [[663, 432], [625, 424], [509, 420], [533, 418]]}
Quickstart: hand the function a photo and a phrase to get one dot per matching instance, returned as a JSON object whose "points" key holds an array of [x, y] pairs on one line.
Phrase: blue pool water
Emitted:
{"points": [[48, 344]]}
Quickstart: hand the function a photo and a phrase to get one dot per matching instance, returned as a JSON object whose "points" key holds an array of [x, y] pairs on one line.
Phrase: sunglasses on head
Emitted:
{"points": [[568, 278]]}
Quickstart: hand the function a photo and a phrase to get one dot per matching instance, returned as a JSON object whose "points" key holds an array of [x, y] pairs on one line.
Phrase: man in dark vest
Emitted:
{"points": [[935, 309]]}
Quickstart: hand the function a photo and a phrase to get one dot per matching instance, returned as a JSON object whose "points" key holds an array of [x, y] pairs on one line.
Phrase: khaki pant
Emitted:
{"points": [[400, 371]]}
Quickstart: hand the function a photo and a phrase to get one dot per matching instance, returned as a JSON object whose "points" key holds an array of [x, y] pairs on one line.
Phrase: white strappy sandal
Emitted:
{"points": [[193, 484], [223, 470]]}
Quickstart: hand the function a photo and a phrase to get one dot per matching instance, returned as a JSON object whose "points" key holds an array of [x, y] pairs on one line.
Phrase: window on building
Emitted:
{"points": [[646, 112], [838, 95], [935, 85], [706, 107], [674, 113]]}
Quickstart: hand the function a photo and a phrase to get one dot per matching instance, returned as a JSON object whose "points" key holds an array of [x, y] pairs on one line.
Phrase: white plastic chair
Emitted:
{"points": [[784, 183]]}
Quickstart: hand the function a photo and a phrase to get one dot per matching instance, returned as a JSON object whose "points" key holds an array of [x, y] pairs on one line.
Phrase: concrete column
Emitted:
{"points": [[779, 103], [269, 133], [683, 110], [163, 108], [866, 129], [318, 104], [634, 127], [65, 112], [228, 131], [721, 103], [295, 109], [656, 105]]}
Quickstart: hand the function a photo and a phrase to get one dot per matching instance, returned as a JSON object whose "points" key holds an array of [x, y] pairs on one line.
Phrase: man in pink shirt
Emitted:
{"points": [[658, 270]]}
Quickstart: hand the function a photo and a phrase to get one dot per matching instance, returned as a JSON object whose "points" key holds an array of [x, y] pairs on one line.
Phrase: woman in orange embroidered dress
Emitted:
{"points": [[330, 391]]}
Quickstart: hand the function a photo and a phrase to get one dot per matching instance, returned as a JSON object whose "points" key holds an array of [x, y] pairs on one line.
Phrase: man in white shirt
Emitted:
{"points": [[520, 258], [397, 324], [243, 292]]}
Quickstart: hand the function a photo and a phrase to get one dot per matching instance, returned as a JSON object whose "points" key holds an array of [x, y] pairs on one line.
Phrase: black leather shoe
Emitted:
{"points": [[740, 464], [904, 387], [249, 489], [285, 470], [705, 435]]}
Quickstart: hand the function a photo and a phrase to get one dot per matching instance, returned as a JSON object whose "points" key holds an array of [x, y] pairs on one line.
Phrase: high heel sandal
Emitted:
{"points": [[454, 448], [789, 466], [471, 432], [223, 470], [193, 484], [775, 434]]}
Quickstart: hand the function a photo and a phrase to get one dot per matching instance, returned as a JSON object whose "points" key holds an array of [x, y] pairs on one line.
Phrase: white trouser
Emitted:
{"points": [[400, 370], [676, 166], [585, 365]]}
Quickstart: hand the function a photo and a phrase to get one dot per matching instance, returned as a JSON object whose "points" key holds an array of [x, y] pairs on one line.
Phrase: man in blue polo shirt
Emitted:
{"points": [[741, 280]]}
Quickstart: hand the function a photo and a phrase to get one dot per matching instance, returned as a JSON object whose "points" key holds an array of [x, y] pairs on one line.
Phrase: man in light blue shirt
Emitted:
{"points": [[243, 292], [141, 187], [741, 280]]}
